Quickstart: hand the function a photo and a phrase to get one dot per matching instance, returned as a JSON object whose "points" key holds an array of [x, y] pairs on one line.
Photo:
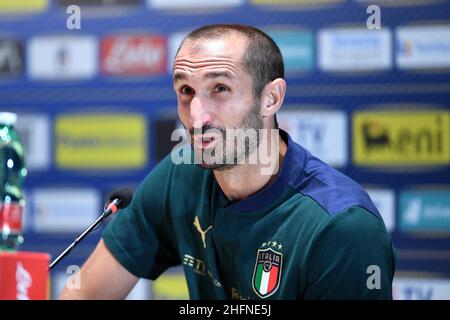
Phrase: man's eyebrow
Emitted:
{"points": [[179, 76], [209, 75], [217, 74]]}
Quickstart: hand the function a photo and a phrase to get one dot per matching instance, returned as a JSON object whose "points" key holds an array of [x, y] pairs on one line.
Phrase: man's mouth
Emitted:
{"points": [[204, 141]]}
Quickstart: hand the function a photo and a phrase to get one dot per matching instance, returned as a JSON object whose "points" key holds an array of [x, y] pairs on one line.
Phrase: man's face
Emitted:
{"points": [[215, 97]]}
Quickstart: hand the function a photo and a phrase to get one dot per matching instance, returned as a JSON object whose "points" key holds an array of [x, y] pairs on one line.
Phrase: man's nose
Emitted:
{"points": [[199, 112]]}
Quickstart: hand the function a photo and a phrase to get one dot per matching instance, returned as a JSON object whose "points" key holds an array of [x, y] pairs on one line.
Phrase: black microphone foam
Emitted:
{"points": [[125, 195]]}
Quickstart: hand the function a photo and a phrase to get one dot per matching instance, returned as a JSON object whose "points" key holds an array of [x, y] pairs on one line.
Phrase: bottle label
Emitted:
{"points": [[11, 217]]}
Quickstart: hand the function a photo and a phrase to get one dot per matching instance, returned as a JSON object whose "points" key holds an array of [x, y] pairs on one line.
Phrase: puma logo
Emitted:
{"points": [[202, 233]]}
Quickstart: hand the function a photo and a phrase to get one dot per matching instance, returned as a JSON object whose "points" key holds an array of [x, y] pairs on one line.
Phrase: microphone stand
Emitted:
{"points": [[112, 206]]}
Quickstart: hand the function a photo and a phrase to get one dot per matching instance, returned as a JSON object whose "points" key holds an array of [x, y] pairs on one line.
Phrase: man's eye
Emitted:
{"points": [[186, 90], [222, 88]]}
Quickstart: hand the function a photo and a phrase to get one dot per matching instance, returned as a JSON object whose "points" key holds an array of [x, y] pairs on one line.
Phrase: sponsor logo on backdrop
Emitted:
{"points": [[59, 210], [384, 201], [101, 141], [34, 132], [420, 289], [192, 4], [62, 57], [297, 48], [401, 138], [133, 55], [102, 3], [19, 6], [423, 47], [425, 210], [354, 49], [11, 57], [171, 285], [323, 133], [23, 282]]}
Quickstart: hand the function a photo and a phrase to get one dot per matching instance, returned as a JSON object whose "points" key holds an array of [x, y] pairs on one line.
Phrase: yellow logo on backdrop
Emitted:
{"points": [[401, 138], [106, 141], [22, 5], [170, 286]]}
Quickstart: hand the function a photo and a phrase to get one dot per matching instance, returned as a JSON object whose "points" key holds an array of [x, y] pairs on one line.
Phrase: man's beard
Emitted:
{"points": [[230, 149]]}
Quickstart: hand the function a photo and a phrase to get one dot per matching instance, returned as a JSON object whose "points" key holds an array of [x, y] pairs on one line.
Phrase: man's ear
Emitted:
{"points": [[273, 97]]}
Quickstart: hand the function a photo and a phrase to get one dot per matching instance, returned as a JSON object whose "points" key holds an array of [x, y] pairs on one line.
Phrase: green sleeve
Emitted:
{"points": [[352, 258], [139, 236]]}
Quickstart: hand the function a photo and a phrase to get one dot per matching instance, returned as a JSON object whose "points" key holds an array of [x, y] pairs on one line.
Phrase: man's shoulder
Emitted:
{"points": [[332, 190]]}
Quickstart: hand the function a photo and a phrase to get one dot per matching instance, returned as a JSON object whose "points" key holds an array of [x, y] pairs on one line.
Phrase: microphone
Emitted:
{"points": [[119, 199]]}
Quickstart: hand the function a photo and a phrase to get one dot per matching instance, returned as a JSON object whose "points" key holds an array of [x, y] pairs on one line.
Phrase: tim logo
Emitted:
{"points": [[314, 133], [23, 282]]}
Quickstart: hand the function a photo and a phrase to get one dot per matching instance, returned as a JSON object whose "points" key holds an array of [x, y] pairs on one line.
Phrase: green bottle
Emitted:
{"points": [[12, 176]]}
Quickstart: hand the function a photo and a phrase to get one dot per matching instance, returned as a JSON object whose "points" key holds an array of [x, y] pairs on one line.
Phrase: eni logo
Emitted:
{"points": [[202, 233]]}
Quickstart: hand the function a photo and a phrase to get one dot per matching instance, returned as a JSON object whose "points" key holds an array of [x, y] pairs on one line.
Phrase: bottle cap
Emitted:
{"points": [[8, 118]]}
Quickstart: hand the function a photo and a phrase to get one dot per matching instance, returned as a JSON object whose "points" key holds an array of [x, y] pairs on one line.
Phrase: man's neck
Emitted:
{"points": [[245, 180]]}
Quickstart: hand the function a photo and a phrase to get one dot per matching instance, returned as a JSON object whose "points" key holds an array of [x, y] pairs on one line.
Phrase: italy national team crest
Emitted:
{"points": [[267, 274]]}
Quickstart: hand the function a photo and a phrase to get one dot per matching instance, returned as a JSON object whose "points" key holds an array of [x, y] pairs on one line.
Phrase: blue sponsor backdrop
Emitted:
{"points": [[152, 95]]}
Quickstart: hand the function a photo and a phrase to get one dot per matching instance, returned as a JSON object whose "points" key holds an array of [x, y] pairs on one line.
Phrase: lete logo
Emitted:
{"points": [[133, 55], [23, 282]]}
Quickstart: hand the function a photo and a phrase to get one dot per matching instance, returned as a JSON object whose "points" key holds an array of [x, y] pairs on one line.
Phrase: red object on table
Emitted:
{"points": [[24, 275]]}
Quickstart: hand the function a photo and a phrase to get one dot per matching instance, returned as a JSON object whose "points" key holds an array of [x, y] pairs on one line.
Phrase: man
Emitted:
{"points": [[301, 230]]}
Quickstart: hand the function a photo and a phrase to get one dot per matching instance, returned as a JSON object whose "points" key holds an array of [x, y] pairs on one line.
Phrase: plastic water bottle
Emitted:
{"points": [[12, 175]]}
